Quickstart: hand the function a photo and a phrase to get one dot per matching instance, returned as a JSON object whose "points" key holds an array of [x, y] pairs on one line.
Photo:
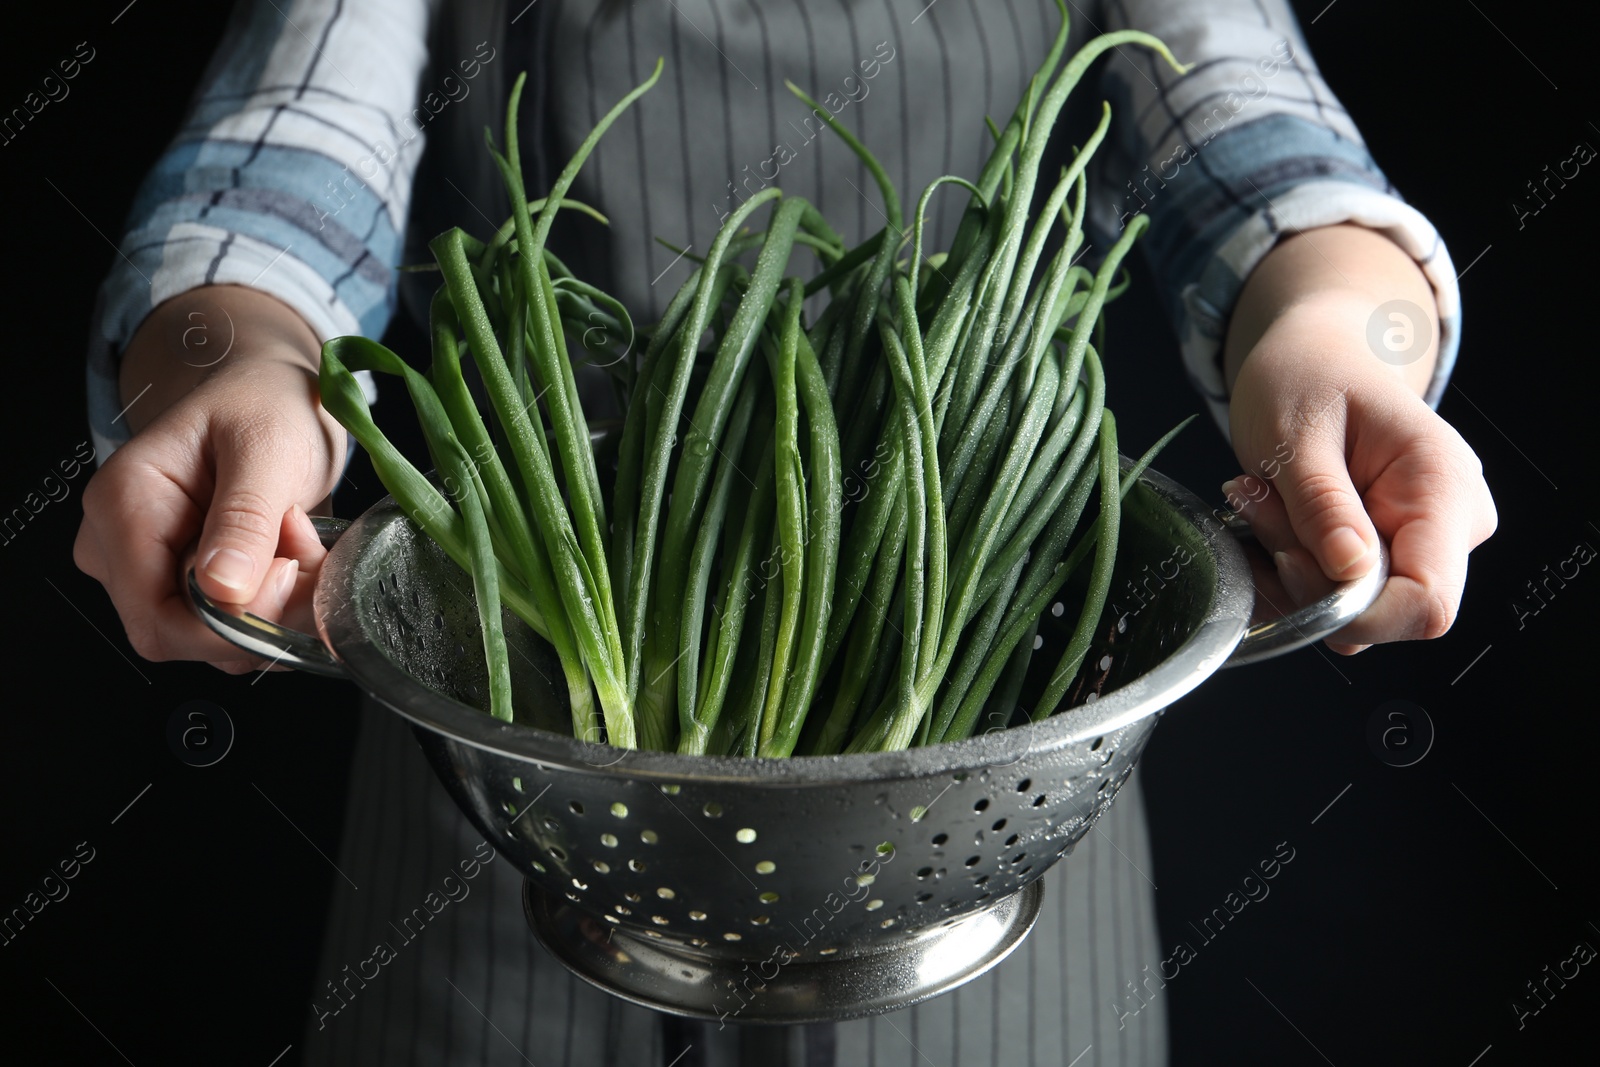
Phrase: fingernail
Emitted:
{"points": [[230, 568], [1234, 494], [1344, 548], [1290, 577], [286, 579]]}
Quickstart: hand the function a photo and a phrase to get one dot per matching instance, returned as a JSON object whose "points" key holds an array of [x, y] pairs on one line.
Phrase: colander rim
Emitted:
{"points": [[1214, 638]]}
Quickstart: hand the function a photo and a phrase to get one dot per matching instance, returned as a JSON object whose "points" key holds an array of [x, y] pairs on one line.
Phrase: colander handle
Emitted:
{"points": [[277, 644], [1315, 621]]}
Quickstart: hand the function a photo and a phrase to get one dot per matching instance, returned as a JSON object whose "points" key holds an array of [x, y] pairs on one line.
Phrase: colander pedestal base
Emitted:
{"points": [[679, 981]]}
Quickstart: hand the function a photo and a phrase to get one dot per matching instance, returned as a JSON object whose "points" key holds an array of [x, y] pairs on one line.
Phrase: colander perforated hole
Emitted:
{"points": [[1022, 786], [1097, 743], [769, 897], [940, 839], [1038, 801], [925, 872], [536, 865], [608, 840], [1025, 870], [1057, 608], [551, 825], [632, 898], [923, 898], [827, 952], [766, 867], [652, 933], [699, 942], [649, 837], [731, 936], [509, 809], [697, 916], [984, 896], [620, 810], [1018, 858], [760, 920], [602, 866], [874, 905], [671, 790], [612, 919], [636, 866], [664, 893], [659, 920], [712, 810], [1013, 839], [981, 805], [962, 776], [744, 836], [981, 879], [973, 861], [574, 898], [558, 852], [866, 879], [887, 922], [999, 824], [577, 808], [885, 848], [516, 783], [438, 621], [577, 884], [918, 812]]}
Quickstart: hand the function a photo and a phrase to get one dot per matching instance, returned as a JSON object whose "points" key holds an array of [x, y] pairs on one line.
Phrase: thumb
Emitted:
{"points": [[1326, 512], [255, 487]]}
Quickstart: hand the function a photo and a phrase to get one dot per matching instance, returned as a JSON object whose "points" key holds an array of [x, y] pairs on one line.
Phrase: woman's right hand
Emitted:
{"points": [[231, 450]]}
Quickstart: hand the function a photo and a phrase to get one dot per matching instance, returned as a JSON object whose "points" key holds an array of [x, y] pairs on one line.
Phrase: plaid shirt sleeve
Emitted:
{"points": [[292, 174], [1246, 147]]}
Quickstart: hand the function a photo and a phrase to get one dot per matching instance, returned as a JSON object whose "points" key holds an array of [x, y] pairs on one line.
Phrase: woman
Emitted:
{"points": [[290, 197]]}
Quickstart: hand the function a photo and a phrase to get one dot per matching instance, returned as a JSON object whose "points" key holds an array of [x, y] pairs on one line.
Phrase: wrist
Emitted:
{"points": [[1344, 293], [205, 332]]}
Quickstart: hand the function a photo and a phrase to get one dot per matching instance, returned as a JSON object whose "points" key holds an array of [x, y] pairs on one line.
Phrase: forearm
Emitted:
{"points": [[1331, 282]]}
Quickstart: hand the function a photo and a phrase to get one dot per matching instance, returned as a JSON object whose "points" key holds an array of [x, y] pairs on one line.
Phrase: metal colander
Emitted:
{"points": [[781, 891]]}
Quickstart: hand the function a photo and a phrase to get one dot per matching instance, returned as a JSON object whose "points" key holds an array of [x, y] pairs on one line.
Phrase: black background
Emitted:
{"points": [[1418, 904]]}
